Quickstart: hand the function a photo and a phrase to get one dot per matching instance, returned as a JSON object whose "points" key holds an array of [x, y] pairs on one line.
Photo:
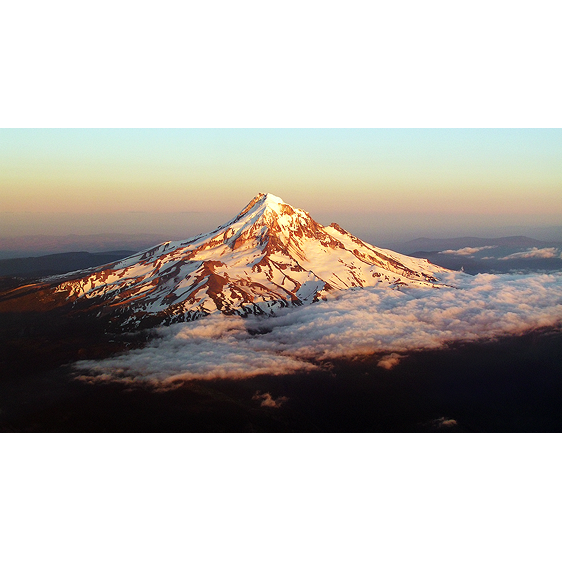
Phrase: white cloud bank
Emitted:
{"points": [[467, 251], [535, 253], [351, 323]]}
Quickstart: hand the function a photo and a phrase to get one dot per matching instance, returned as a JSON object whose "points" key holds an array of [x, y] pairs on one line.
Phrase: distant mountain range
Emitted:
{"points": [[473, 255], [440, 244], [53, 264], [33, 246]]}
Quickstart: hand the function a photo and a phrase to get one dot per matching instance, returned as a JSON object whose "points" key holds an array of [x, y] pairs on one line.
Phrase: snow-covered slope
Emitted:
{"points": [[269, 256]]}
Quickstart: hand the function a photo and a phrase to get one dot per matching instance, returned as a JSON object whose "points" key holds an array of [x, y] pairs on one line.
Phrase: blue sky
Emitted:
{"points": [[490, 176]]}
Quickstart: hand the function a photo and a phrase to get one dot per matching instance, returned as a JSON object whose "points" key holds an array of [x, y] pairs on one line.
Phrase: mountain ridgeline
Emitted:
{"points": [[270, 256]]}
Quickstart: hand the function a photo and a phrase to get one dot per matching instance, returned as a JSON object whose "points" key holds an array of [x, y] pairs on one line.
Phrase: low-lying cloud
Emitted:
{"points": [[467, 251], [389, 361], [535, 253], [441, 423], [350, 323], [267, 401]]}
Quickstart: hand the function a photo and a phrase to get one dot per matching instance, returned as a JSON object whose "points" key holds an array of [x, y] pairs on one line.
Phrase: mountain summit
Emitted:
{"points": [[271, 255]]}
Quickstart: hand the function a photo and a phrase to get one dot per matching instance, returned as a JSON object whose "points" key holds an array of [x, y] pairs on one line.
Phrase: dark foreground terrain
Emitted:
{"points": [[510, 385]]}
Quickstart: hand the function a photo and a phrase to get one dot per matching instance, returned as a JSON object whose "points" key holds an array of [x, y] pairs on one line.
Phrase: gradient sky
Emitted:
{"points": [[487, 176]]}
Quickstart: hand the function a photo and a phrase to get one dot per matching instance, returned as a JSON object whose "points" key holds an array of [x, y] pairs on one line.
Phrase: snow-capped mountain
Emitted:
{"points": [[271, 255]]}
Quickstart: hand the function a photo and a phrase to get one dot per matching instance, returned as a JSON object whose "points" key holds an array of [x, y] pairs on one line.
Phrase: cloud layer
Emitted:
{"points": [[468, 251], [535, 253], [350, 323]]}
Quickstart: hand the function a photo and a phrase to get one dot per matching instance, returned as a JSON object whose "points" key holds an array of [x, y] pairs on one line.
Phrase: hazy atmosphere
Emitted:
{"points": [[385, 185]]}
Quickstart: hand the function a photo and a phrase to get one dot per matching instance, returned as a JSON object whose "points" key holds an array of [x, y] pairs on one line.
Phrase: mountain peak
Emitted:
{"points": [[270, 211], [262, 202], [271, 200]]}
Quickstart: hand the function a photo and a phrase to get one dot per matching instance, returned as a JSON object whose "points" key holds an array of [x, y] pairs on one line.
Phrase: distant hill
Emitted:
{"points": [[26, 246], [55, 264]]}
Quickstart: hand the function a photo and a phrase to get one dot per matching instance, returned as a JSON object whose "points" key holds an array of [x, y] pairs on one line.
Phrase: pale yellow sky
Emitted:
{"points": [[423, 173]]}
